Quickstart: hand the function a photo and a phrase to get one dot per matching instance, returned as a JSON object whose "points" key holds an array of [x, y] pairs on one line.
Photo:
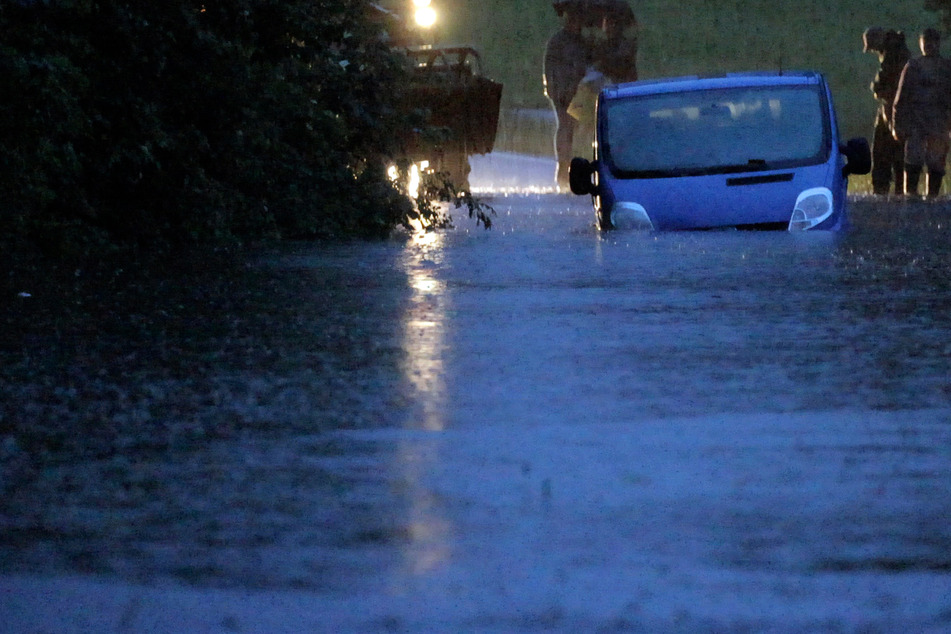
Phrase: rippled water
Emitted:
{"points": [[539, 426]]}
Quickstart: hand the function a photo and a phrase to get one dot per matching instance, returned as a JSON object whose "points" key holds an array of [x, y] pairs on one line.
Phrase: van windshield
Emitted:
{"points": [[716, 131]]}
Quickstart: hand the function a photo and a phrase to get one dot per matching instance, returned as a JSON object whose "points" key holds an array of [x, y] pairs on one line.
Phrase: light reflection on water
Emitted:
{"points": [[424, 331], [423, 335]]}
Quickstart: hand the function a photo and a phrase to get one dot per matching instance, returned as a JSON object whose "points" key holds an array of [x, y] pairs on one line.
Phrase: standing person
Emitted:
{"points": [[616, 57], [922, 113], [888, 155], [566, 62]]}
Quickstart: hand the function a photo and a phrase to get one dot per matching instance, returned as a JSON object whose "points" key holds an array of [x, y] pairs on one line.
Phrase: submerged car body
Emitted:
{"points": [[745, 150]]}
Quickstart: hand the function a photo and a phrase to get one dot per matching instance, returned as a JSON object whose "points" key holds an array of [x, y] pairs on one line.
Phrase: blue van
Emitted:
{"points": [[744, 151]]}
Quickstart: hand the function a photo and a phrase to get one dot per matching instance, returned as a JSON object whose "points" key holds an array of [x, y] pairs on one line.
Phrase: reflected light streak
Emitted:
{"points": [[425, 286], [424, 343], [424, 238]]}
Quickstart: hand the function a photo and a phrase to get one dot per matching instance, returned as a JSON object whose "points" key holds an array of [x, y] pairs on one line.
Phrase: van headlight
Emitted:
{"points": [[630, 216], [812, 207]]}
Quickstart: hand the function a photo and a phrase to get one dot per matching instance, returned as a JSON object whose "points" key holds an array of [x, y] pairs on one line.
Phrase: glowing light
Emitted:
{"points": [[426, 17], [412, 187], [419, 4], [415, 175]]}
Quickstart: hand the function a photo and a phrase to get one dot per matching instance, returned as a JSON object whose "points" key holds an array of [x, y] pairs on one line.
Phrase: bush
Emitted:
{"points": [[177, 121], [943, 9]]}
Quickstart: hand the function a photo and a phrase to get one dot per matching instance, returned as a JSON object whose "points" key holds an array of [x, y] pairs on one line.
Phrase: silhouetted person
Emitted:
{"points": [[921, 114], [888, 154], [616, 56], [566, 61]]}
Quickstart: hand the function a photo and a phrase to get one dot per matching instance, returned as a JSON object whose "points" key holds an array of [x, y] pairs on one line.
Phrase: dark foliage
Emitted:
{"points": [[171, 121], [943, 9]]}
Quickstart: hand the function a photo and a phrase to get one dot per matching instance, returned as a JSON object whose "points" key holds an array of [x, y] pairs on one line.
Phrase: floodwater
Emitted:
{"points": [[538, 428]]}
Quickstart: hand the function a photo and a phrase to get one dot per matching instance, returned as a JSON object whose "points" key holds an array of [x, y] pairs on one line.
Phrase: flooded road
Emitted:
{"points": [[535, 428]]}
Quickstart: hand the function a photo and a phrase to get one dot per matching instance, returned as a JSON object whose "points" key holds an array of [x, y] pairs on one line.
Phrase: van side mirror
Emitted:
{"points": [[580, 172], [858, 157]]}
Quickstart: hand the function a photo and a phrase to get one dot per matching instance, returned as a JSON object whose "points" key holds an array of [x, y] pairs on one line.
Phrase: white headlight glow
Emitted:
{"points": [[630, 216], [812, 207]]}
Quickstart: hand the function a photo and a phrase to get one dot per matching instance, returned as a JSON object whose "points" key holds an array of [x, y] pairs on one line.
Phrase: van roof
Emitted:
{"points": [[707, 82]]}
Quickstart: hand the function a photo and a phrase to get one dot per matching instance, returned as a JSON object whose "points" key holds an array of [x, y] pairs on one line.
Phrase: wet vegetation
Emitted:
{"points": [[168, 123], [943, 9]]}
